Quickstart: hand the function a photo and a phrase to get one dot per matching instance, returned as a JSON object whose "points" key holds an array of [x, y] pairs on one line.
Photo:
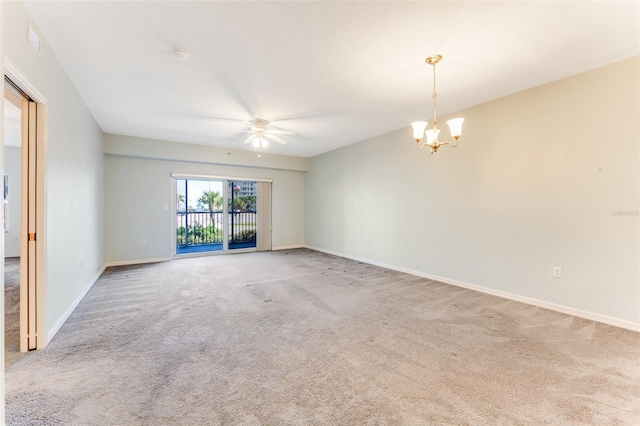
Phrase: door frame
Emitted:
{"points": [[224, 179], [174, 216], [37, 211]]}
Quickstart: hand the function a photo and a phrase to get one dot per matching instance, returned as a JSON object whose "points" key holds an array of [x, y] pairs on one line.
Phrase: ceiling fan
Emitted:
{"points": [[261, 131]]}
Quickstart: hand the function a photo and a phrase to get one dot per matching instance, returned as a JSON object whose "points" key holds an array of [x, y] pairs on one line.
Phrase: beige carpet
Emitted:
{"points": [[12, 310], [303, 338]]}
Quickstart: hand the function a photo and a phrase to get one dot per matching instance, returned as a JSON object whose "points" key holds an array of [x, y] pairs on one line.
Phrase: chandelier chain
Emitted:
{"points": [[434, 96]]}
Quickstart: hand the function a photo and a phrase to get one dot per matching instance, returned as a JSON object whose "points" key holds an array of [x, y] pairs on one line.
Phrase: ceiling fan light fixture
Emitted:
{"points": [[260, 130]]}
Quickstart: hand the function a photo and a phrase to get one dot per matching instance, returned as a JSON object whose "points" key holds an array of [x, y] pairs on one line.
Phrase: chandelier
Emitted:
{"points": [[455, 124]]}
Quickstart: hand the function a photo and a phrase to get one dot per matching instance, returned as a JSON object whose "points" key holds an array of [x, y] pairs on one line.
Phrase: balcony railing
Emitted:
{"points": [[198, 228]]}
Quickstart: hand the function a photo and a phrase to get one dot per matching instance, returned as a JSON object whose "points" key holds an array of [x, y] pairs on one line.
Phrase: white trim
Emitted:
{"points": [[617, 322], [234, 178], [137, 262], [58, 325], [16, 77], [295, 246]]}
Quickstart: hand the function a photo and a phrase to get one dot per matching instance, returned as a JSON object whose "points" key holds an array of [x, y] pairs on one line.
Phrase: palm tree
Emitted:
{"points": [[180, 200], [213, 201], [247, 203]]}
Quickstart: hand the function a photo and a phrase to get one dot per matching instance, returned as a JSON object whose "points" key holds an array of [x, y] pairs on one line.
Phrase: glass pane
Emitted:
{"points": [[199, 216], [242, 214]]}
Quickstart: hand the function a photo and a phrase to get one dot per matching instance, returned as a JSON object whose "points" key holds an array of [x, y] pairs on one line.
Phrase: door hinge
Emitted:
{"points": [[32, 237]]}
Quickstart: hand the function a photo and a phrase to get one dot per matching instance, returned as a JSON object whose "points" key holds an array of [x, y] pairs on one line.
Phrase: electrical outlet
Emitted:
{"points": [[557, 272], [143, 243], [81, 265]]}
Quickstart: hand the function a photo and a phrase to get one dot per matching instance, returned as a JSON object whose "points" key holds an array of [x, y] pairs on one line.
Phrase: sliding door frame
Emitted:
{"points": [[225, 179]]}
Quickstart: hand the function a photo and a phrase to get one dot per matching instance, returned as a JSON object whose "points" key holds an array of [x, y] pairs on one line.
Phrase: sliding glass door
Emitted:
{"points": [[242, 196], [215, 215]]}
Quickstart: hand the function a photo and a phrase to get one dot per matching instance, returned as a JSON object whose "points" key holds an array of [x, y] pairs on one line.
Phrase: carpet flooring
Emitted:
{"points": [[299, 337], [12, 311]]}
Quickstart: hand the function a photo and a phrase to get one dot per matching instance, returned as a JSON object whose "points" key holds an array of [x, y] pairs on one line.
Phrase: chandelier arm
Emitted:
{"points": [[454, 143]]}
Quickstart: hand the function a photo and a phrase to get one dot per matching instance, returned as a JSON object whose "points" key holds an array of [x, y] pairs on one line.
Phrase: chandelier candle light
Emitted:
{"points": [[455, 124]]}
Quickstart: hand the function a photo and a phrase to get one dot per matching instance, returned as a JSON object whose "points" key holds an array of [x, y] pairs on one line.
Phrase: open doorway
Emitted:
{"points": [[24, 205], [11, 224]]}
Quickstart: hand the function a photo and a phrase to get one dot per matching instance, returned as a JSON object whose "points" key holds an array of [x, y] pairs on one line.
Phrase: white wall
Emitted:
{"points": [[164, 150], [536, 182], [138, 189], [74, 171], [12, 169]]}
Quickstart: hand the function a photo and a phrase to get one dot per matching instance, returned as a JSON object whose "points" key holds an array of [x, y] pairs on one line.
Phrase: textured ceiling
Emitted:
{"points": [[334, 72]]}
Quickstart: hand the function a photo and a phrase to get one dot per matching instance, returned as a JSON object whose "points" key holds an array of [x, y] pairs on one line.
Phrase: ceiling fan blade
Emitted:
{"points": [[210, 118], [250, 139], [279, 132], [275, 138], [311, 115]]}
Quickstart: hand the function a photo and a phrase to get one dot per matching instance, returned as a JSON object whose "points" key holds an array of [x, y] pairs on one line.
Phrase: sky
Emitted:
{"points": [[197, 188]]}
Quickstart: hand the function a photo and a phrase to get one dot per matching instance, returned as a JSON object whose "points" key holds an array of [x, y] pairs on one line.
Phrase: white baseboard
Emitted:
{"points": [[56, 327], [617, 322], [137, 262], [296, 246]]}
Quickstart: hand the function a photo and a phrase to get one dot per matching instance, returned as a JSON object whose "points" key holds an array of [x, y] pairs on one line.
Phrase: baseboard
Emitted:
{"points": [[58, 325], [295, 246], [137, 262], [617, 322]]}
